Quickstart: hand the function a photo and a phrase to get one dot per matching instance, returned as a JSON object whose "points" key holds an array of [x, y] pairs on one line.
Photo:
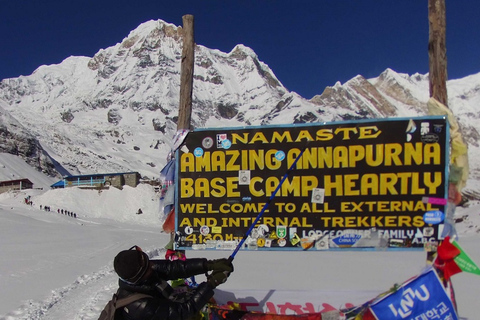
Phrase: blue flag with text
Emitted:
{"points": [[423, 297]]}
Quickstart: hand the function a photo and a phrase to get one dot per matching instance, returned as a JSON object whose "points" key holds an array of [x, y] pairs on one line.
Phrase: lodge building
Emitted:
{"points": [[18, 184], [100, 180]]}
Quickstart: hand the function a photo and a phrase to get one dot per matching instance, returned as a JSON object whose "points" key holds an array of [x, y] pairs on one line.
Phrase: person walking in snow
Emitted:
{"points": [[139, 274]]}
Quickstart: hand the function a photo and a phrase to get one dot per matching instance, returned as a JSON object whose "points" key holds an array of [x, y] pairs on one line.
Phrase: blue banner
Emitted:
{"points": [[422, 298]]}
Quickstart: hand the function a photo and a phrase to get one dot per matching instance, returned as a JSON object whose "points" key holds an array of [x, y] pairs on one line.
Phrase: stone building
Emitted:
{"points": [[18, 184], [100, 180]]}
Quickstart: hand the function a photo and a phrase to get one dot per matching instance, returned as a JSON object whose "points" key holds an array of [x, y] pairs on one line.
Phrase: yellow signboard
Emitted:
{"points": [[356, 184]]}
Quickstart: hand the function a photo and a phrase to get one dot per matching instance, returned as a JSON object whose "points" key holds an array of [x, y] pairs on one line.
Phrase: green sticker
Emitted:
{"points": [[282, 231]]}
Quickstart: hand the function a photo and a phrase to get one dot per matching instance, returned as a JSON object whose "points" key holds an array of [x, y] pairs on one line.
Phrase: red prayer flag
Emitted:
{"points": [[169, 224], [445, 259]]}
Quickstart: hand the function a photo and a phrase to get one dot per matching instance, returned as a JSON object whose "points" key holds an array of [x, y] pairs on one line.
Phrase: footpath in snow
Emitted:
{"points": [[60, 267]]}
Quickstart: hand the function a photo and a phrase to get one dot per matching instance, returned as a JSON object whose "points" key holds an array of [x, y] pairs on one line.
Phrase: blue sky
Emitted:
{"points": [[308, 44]]}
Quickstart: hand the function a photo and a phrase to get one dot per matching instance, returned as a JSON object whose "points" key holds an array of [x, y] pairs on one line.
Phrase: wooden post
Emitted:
{"points": [[437, 61], [186, 74], [437, 51], [186, 79]]}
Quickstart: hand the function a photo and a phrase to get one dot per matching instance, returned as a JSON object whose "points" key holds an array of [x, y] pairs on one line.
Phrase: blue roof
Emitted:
{"points": [[59, 184]]}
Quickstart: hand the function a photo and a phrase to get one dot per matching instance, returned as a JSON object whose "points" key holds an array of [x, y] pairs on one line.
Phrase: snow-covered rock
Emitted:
{"points": [[117, 111]]}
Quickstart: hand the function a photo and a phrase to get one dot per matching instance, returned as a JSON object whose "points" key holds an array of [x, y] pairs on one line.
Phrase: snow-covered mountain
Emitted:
{"points": [[85, 114]]}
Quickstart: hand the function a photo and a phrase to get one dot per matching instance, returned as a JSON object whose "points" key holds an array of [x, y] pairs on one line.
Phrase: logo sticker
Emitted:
{"points": [[216, 229], [244, 177], [261, 242], [322, 244], [198, 152], [318, 195], [280, 155], [220, 138], [207, 142], [433, 217], [282, 231], [295, 239], [204, 230], [263, 229], [273, 235], [346, 240], [424, 128], [429, 138], [188, 230], [226, 144], [428, 231], [268, 243]]}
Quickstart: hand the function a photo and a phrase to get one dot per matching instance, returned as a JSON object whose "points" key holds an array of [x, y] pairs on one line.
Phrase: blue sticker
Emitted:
{"points": [[347, 240], [433, 217], [198, 152], [226, 144], [280, 155]]}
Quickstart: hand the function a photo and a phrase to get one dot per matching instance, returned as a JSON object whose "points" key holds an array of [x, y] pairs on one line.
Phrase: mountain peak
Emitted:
{"points": [[242, 50], [153, 28], [117, 111]]}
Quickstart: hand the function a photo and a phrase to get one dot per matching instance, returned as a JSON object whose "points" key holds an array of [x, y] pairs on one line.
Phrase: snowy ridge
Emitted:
{"points": [[117, 110]]}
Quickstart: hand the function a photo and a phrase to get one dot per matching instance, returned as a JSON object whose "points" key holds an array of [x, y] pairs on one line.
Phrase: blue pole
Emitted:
{"points": [[234, 253]]}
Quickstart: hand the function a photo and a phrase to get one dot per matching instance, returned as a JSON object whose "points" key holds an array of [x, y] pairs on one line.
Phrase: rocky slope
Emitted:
{"points": [[117, 111]]}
